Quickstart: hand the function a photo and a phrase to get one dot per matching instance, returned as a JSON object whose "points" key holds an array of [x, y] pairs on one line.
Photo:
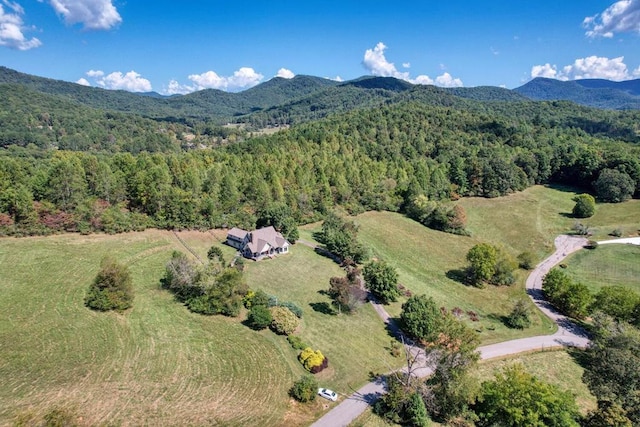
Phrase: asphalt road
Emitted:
{"points": [[568, 335]]}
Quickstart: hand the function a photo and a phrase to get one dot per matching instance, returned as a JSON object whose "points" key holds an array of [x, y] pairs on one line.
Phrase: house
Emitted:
{"points": [[259, 243]]}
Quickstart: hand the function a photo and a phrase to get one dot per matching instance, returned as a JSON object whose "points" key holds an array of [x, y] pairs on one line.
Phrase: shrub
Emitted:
{"points": [[296, 342], [259, 317], [519, 316], [526, 260], [215, 252], [293, 307], [616, 233], [111, 289], [313, 361], [284, 321], [253, 298], [305, 389], [585, 206]]}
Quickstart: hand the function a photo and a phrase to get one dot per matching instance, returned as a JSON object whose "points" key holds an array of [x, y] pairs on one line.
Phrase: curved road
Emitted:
{"points": [[568, 335]]}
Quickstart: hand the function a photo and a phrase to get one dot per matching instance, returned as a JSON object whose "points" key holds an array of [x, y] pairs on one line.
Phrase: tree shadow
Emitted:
{"points": [[498, 317], [580, 356], [323, 307], [459, 275], [393, 328], [325, 253]]}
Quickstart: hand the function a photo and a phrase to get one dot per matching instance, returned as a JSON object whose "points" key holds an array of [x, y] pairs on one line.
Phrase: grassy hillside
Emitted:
{"points": [[607, 266], [158, 363]]}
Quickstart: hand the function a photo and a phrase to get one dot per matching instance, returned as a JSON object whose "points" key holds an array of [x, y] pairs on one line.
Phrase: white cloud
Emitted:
{"points": [[636, 72], [376, 63], [336, 79], [406, 65], [423, 80], [546, 70], [243, 78], [494, 51], [445, 80], [131, 81], [621, 17], [176, 88], [95, 73], [12, 28], [592, 67], [285, 74], [92, 14], [82, 81]]}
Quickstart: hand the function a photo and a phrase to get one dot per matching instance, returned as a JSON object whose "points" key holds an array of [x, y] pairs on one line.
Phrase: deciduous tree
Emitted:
{"points": [[382, 280]]}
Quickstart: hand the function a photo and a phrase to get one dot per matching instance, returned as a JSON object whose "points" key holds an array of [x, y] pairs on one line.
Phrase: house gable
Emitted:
{"points": [[258, 243]]}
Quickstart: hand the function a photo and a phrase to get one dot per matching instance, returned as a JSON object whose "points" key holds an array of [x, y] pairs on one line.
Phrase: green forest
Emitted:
{"points": [[67, 166]]}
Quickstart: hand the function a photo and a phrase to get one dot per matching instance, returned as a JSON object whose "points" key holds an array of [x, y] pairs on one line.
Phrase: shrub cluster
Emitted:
{"points": [[284, 321], [313, 361], [111, 289], [205, 290], [305, 389]]}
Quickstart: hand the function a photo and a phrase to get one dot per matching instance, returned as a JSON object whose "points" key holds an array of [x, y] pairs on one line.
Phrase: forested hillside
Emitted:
{"points": [[432, 144], [590, 92]]}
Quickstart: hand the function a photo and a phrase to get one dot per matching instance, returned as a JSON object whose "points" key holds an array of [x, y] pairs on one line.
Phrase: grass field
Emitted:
{"points": [[608, 265], [158, 363]]}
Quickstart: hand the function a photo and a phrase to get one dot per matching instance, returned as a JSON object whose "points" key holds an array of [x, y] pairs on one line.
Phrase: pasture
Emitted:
{"points": [[158, 363], [608, 265]]}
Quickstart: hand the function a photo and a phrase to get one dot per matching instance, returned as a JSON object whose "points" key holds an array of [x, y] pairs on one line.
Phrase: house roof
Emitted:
{"points": [[266, 236], [238, 233], [261, 239]]}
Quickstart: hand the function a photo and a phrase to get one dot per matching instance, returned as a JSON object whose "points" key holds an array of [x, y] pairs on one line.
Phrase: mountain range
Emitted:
{"points": [[282, 101]]}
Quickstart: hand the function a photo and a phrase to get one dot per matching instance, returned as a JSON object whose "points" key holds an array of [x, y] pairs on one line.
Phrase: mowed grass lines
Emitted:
{"points": [[156, 364], [608, 265], [355, 344], [424, 260]]}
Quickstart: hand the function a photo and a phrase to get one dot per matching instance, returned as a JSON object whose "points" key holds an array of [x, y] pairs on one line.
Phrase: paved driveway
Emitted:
{"points": [[568, 335]]}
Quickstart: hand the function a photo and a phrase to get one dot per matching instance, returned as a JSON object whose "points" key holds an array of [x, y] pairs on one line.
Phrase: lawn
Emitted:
{"points": [[158, 364], [608, 265]]}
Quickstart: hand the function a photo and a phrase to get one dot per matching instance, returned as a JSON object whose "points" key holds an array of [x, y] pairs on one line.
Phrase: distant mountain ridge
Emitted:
{"points": [[598, 93], [281, 101]]}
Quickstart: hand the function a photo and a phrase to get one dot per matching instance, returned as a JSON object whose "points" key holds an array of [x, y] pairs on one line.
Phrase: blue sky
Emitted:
{"points": [[182, 46]]}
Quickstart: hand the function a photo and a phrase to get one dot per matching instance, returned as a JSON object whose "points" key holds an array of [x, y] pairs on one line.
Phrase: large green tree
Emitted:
{"points": [[614, 186], [482, 258], [516, 398], [382, 280], [612, 365], [618, 302], [421, 318]]}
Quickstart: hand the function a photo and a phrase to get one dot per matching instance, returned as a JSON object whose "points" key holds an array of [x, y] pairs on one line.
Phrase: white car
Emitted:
{"points": [[328, 394]]}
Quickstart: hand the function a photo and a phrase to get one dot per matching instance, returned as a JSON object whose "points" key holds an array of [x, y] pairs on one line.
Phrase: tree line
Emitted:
{"points": [[403, 157]]}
